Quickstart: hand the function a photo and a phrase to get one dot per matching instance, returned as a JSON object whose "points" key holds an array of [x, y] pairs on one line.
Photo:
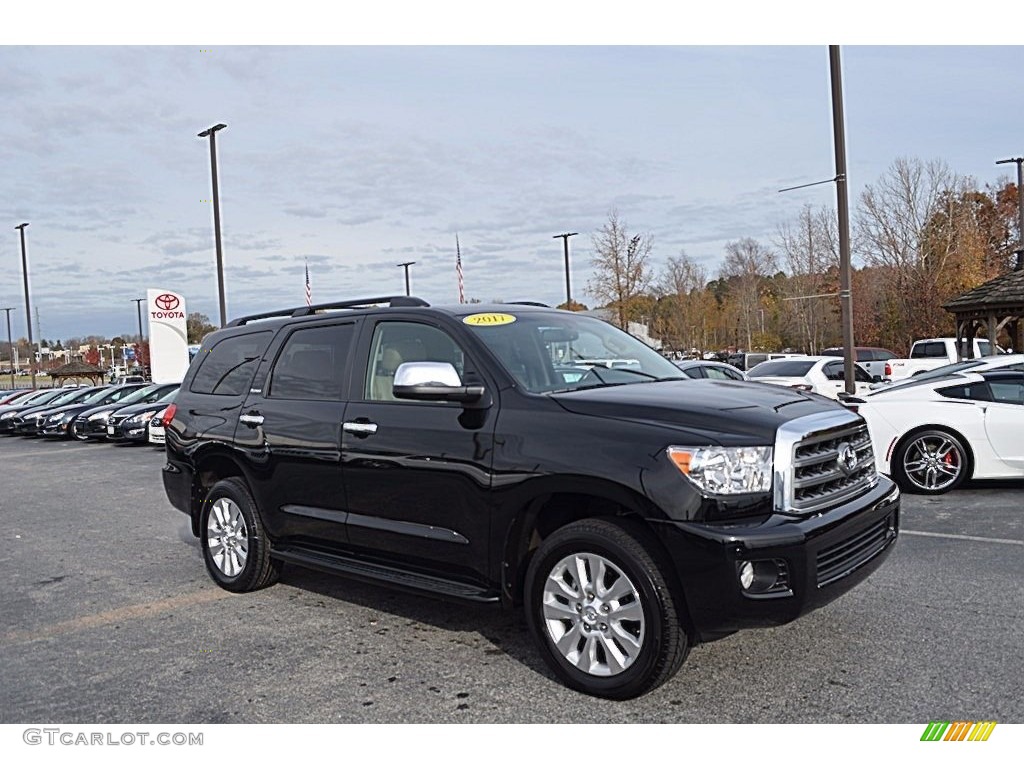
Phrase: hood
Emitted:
{"points": [[728, 412]]}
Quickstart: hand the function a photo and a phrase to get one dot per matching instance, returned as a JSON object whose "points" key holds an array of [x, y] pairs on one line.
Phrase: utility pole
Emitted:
{"points": [[28, 307], [142, 339], [10, 342], [568, 289], [212, 134], [405, 265], [1020, 207], [843, 206]]}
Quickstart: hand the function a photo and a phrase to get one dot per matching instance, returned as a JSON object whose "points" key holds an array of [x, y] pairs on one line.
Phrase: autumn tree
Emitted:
{"points": [[927, 232], [92, 355], [684, 303], [747, 265], [198, 325], [621, 268]]}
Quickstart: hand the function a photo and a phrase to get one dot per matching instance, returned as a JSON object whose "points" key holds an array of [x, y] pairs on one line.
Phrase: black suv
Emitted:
{"points": [[634, 512]]}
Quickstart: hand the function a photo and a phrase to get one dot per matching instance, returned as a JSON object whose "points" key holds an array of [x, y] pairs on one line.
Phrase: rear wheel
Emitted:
{"points": [[235, 547], [931, 462], [601, 609]]}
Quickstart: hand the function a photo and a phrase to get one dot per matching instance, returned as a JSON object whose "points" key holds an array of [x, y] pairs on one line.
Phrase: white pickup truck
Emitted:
{"points": [[926, 354]]}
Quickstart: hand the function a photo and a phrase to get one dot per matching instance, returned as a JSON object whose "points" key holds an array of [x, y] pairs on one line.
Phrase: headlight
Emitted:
{"points": [[725, 471], [6, 416], [101, 416], [53, 418]]}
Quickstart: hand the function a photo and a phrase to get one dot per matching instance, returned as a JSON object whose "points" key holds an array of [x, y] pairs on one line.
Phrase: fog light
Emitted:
{"points": [[764, 577], [746, 575]]}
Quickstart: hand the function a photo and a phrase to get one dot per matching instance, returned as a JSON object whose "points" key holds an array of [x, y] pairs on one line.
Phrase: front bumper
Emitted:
{"points": [[87, 428], [56, 429], [825, 555]]}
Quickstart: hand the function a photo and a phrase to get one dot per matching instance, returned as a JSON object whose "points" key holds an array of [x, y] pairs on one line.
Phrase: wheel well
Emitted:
{"points": [[940, 427], [209, 470], [555, 511]]}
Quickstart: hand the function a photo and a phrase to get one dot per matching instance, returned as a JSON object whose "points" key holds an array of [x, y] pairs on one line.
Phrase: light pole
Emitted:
{"points": [[405, 265], [565, 243], [212, 133], [1020, 207], [138, 306], [843, 206], [10, 343], [28, 309]]}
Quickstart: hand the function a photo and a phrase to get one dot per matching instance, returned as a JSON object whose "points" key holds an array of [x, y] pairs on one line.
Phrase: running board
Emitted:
{"points": [[397, 577]]}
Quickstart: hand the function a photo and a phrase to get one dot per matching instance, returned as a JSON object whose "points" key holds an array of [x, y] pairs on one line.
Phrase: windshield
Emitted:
{"points": [[140, 395], [97, 397], [795, 368], [544, 351]]}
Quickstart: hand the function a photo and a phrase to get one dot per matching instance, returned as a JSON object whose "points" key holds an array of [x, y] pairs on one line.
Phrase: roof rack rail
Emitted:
{"points": [[391, 301]]}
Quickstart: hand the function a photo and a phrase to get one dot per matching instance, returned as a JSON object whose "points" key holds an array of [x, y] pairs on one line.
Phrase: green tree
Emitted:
{"points": [[198, 325]]}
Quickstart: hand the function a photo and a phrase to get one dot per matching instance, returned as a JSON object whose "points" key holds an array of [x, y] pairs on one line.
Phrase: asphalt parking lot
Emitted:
{"points": [[109, 617]]}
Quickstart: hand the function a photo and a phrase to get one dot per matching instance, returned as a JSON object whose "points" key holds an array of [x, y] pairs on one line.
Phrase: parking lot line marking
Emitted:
{"points": [[56, 450], [127, 613], [1017, 542]]}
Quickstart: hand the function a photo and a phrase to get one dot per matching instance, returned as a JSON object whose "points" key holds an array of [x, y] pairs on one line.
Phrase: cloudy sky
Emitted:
{"points": [[355, 158]]}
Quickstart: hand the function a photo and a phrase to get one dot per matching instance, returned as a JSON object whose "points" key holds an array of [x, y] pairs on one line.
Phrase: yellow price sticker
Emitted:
{"points": [[489, 318]]}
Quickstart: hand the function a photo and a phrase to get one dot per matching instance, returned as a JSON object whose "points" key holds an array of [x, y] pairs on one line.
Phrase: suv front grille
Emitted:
{"points": [[839, 560], [829, 462]]}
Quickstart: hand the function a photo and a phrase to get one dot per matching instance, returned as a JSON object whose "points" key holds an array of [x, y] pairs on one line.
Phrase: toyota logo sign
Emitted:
{"points": [[167, 301]]}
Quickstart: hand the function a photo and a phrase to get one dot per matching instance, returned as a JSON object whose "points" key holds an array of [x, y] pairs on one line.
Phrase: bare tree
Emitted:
{"points": [[747, 265], [682, 289], [621, 271], [810, 249], [896, 232]]}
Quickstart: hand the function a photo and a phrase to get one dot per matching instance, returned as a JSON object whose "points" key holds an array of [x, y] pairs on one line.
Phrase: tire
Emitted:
{"points": [[235, 547], [620, 640], [73, 433], [931, 462]]}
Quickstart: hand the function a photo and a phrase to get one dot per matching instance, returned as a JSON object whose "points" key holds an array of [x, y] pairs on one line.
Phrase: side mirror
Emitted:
{"points": [[433, 381]]}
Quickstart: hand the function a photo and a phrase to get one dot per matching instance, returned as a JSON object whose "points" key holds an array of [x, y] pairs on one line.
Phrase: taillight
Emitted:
{"points": [[169, 414], [888, 370]]}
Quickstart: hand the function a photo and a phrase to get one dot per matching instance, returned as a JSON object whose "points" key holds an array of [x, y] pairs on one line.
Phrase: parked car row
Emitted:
{"points": [[115, 412]]}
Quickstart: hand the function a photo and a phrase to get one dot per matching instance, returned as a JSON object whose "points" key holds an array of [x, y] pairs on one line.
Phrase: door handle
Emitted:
{"points": [[251, 419], [360, 428]]}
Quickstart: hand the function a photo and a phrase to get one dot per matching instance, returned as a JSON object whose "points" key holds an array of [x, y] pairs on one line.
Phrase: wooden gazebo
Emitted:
{"points": [[77, 371], [994, 305]]}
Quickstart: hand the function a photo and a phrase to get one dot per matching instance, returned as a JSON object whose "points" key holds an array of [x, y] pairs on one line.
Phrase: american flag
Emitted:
{"points": [[458, 271], [309, 290]]}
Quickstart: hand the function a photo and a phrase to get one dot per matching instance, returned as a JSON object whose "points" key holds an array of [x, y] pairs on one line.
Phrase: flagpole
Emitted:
{"points": [[458, 270]]}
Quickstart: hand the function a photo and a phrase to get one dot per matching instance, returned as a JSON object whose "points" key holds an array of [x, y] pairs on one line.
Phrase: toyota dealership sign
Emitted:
{"points": [[168, 336]]}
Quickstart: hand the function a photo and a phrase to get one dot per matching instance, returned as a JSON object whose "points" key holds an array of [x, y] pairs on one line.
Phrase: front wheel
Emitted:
{"points": [[930, 462], [602, 611], [235, 547]]}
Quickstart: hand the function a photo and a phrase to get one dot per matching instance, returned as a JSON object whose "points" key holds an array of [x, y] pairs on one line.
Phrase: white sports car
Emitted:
{"points": [[932, 437]]}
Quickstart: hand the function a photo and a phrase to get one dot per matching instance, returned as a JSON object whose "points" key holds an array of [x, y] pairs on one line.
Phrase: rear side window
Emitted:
{"points": [[1007, 391], [312, 363], [929, 349], [975, 391], [782, 368], [228, 367], [881, 355]]}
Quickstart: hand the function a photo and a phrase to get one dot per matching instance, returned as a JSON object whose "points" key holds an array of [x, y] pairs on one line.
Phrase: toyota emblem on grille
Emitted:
{"points": [[847, 458]]}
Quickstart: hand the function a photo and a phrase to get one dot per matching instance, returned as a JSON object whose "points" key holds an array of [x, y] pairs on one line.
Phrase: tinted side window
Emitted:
{"points": [[720, 373], [929, 349], [228, 367], [1011, 392], [312, 363], [882, 355], [967, 392], [833, 371]]}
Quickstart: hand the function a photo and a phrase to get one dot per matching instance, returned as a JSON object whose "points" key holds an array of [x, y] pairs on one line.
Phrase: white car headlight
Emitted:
{"points": [[725, 471]]}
